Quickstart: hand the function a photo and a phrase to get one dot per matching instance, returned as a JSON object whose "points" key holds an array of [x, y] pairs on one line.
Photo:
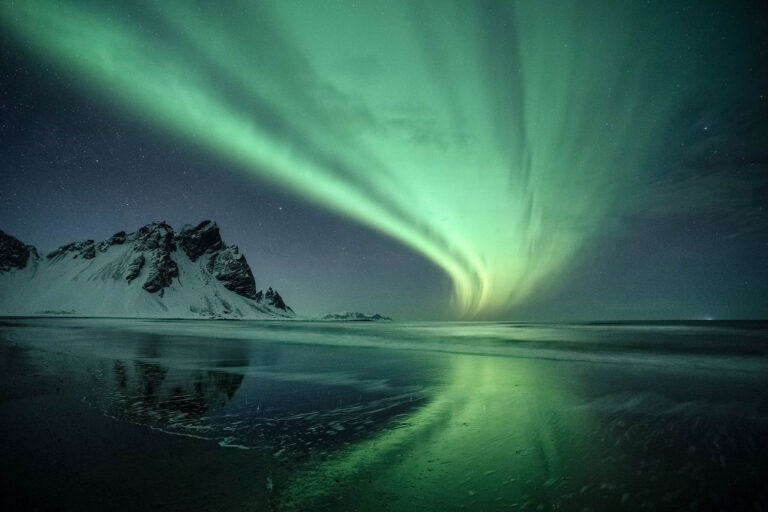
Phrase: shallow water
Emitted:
{"points": [[385, 416]]}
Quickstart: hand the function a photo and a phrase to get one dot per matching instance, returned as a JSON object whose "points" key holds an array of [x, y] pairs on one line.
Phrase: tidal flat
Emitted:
{"points": [[116, 414]]}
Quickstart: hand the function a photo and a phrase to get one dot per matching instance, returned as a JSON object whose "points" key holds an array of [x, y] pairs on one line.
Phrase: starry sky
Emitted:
{"points": [[423, 159]]}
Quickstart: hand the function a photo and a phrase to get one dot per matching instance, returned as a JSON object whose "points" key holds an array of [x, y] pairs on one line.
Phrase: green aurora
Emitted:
{"points": [[496, 138]]}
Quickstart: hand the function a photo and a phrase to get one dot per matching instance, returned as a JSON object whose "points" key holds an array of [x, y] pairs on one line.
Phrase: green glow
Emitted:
{"points": [[494, 139], [456, 444]]}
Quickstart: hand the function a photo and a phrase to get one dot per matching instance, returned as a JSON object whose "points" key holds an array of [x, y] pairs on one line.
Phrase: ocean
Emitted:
{"points": [[116, 414]]}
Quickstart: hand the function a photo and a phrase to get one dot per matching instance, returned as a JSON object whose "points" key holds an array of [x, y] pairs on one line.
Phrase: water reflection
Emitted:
{"points": [[164, 386], [262, 396], [487, 439], [527, 434], [145, 392], [439, 417]]}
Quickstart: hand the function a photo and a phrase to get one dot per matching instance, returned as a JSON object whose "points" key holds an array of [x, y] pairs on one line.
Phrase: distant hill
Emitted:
{"points": [[353, 317]]}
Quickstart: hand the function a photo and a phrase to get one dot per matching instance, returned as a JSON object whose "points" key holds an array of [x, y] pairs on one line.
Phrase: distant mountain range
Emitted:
{"points": [[355, 316], [152, 272]]}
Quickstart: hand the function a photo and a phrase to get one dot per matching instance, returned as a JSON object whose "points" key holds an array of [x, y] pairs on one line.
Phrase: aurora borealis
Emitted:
{"points": [[558, 208], [500, 140]]}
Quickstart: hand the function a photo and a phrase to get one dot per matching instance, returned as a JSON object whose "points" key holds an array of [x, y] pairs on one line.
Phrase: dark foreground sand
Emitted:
{"points": [[58, 453], [382, 417]]}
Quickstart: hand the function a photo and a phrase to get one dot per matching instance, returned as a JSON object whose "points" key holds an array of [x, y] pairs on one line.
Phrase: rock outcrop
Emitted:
{"points": [[230, 267], [203, 238], [116, 239], [157, 242], [14, 253], [85, 250], [274, 299]]}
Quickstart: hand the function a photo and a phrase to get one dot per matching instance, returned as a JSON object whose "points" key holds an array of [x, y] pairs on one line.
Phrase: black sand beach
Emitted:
{"points": [[176, 415]]}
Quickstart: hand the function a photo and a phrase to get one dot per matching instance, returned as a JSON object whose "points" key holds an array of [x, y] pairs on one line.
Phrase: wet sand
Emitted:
{"points": [[59, 453], [172, 415]]}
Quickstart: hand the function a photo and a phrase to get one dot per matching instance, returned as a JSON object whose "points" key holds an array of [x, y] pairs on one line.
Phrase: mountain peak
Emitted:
{"points": [[274, 299], [156, 235], [192, 265], [198, 240]]}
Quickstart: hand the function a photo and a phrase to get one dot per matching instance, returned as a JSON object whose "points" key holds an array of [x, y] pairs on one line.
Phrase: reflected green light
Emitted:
{"points": [[493, 138], [497, 424]]}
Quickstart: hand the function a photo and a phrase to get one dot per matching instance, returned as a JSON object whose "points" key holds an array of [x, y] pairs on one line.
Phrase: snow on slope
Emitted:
{"points": [[153, 273]]}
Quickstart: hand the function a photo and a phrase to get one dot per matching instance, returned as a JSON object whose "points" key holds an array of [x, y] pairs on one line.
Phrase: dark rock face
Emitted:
{"points": [[116, 239], [204, 238], [89, 251], [85, 250], [134, 268], [274, 299], [156, 242], [230, 267], [14, 253], [157, 235], [162, 270]]}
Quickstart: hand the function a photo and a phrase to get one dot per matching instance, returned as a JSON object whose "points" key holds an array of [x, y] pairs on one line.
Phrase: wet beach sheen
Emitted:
{"points": [[200, 415]]}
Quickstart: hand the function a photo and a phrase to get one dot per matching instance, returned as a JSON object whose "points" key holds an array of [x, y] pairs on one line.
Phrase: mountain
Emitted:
{"points": [[355, 316], [152, 272]]}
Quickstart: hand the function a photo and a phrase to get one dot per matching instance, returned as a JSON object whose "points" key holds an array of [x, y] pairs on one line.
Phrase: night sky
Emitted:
{"points": [[438, 159]]}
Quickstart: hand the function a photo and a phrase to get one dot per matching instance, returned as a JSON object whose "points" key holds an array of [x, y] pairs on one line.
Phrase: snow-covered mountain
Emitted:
{"points": [[152, 272]]}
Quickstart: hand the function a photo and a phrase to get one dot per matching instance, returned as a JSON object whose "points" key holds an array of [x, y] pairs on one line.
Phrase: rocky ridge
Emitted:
{"points": [[13, 253], [152, 255]]}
